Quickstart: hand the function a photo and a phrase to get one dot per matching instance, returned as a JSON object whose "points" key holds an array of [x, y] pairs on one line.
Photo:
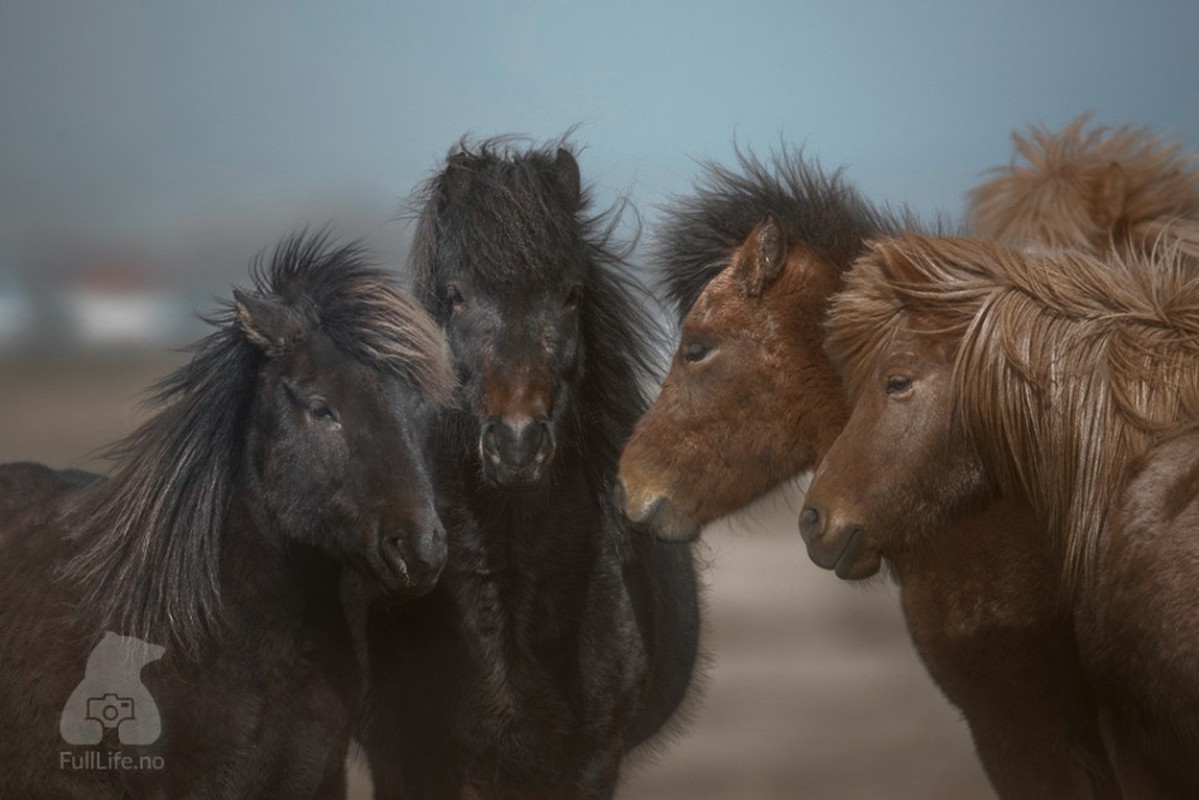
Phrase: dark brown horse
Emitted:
{"points": [[1103, 190], [557, 640], [979, 372], [751, 399], [177, 630]]}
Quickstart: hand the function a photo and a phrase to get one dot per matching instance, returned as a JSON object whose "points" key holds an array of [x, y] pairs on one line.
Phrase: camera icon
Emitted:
{"points": [[110, 710]]}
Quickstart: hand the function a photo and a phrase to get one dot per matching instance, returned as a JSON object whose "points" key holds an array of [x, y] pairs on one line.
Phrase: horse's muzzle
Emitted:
{"points": [[413, 557], [657, 517], [517, 452], [839, 546]]}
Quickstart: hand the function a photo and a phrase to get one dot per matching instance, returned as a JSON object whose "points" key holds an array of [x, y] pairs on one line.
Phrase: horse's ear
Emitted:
{"points": [[760, 260], [459, 173], [271, 326], [1111, 195], [567, 169]]}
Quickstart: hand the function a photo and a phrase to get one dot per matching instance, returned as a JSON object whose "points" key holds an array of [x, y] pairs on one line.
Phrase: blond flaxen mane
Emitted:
{"points": [[1066, 368], [1100, 190]]}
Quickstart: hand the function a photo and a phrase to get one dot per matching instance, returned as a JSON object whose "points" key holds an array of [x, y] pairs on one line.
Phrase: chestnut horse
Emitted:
{"points": [[1103, 190], [978, 372], [751, 262]]}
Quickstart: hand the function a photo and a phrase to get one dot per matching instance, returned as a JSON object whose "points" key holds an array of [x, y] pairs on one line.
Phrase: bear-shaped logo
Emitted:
{"points": [[111, 695]]}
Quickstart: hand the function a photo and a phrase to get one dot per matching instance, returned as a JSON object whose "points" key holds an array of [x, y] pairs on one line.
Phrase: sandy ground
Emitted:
{"points": [[813, 688]]}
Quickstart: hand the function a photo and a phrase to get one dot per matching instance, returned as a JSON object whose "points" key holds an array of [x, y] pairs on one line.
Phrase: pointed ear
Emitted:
{"points": [[271, 326], [459, 173], [568, 174], [761, 258], [1110, 195]]}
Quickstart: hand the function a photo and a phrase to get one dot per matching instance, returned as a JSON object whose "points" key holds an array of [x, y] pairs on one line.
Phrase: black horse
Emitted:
{"points": [[556, 640], [287, 447]]}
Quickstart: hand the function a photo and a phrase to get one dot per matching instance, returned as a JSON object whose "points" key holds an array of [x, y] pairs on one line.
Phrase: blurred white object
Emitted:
{"points": [[117, 304]]}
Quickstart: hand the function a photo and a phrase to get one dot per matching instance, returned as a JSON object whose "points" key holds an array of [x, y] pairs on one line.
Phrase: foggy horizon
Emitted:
{"points": [[192, 138]]}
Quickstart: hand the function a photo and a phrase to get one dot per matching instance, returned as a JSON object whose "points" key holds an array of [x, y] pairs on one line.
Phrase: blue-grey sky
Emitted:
{"points": [[161, 121]]}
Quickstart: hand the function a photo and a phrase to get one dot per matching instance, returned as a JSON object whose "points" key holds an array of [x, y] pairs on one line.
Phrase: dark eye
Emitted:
{"points": [[453, 295], [320, 410], [898, 384], [574, 296], [696, 352]]}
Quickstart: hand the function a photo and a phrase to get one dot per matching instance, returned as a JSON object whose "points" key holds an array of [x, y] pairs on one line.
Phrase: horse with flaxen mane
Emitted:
{"points": [[752, 261], [557, 640], [1101, 190], [1072, 384], [284, 451]]}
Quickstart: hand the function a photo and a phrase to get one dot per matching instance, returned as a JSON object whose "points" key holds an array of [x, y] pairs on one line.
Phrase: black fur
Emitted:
{"points": [[221, 538], [557, 640]]}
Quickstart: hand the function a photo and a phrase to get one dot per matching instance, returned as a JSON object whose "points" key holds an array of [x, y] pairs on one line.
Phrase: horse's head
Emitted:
{"points": [[978, 371], [507, 281], [750, 399], [334, 442], [903, 465]]}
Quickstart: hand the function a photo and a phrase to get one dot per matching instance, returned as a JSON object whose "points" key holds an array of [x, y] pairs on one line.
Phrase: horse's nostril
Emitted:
{"points": [[543, 439], [393, 549], [490, 443], [809, 523]]}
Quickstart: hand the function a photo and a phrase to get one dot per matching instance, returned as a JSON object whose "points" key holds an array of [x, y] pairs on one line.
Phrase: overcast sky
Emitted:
{"points": [[160, 121]]}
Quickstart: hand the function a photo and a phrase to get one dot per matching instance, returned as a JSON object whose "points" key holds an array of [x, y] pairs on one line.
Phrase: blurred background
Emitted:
{"points": [[148, 150]]}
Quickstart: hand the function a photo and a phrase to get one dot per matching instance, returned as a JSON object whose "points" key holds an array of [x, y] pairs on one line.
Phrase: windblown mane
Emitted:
{"points": [[150, 536], [514, 202], [700, 232], [1066, 367], [1095, 190]]}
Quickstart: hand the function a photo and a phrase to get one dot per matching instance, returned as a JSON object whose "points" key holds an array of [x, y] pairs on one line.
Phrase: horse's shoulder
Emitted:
{"points": [[25, 482]]}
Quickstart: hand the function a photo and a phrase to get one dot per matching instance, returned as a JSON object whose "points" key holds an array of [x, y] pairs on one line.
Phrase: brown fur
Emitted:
{"points": [[765, 402], [1100, 190], [1066, 367], [524, 395], [757, 410], [749, 262], [1137, 629], [1050, 379]]}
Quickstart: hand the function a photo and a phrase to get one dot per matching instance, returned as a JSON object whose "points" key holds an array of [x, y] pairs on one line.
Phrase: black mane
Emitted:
{"points": [[700, 232], [150, 537], [514, 197], [556, 638]]}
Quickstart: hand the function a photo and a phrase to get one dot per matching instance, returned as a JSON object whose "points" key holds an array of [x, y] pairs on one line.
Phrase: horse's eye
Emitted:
{"points": [[574, 296], [454, 295], [898, 384], [696, 352], [319, 409]]}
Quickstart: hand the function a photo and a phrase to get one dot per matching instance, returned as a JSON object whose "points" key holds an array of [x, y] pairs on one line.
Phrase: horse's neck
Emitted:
{"points": [[535, 536], [522, 594], [1000, 539], [267, 582], [538, 531], [535, 549]]}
